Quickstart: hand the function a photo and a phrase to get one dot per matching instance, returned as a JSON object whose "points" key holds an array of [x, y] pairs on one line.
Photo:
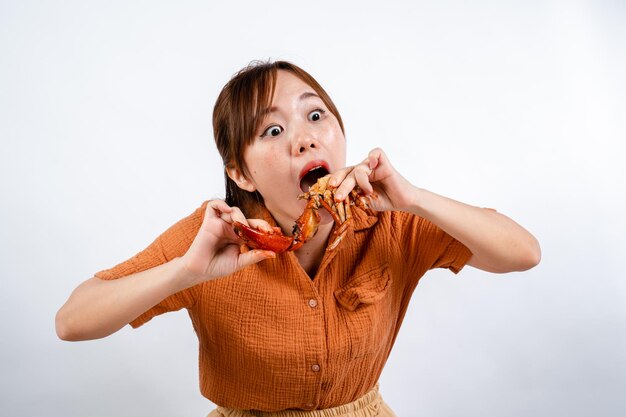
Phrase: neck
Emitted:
{"points": [[311, 253]]}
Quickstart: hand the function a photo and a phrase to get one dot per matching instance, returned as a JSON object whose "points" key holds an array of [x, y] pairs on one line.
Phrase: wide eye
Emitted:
{"points": [[274, 130], [316, 115]]}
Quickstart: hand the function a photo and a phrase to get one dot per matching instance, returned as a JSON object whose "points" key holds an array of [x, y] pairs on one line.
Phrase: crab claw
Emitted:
{"points": [[276, 242]]}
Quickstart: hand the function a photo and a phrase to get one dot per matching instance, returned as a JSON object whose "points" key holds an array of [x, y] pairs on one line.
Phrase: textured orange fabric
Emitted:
{"points": [[271, 338]]}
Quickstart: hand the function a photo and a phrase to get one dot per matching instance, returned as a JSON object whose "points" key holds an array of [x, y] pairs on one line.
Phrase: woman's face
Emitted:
{"points": [[298, 134]]}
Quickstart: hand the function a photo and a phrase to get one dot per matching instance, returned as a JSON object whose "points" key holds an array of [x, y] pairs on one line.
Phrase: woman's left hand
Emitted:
{"points": [[497, 243], [377, 178]]}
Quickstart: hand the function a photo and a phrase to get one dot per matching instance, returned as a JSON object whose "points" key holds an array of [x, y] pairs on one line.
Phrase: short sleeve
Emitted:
{"points": [[427, 246], [171, 244]]}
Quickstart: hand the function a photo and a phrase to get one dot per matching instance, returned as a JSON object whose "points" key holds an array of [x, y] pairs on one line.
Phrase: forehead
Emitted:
{"points": [[287, 84]]}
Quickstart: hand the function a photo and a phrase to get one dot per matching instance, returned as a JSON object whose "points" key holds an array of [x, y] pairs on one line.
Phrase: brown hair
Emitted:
{"points": [[238, 113]]}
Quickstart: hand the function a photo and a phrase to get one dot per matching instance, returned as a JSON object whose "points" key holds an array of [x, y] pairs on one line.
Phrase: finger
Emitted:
{"points": [[237, 216], [254, 256], [362, 179], [261, 225], [229, 234], [346, 186], [374, 158], [215, 208], [338, 177], [380, 165], [360, 176]]}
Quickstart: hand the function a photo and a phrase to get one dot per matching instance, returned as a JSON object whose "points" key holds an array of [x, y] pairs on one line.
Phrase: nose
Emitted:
{"points": [[304, 141]]}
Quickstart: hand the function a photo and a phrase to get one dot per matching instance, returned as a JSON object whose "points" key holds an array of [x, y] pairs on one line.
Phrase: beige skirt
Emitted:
{"points": [[369, 405]]}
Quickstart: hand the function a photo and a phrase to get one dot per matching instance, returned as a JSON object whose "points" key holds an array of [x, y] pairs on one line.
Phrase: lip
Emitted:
{"points": [[313, 164]]}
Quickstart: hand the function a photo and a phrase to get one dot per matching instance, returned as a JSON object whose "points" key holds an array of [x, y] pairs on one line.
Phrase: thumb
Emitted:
{"points": [[254, 256]]}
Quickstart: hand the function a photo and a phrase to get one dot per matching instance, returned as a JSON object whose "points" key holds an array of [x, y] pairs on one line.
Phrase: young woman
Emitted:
{"points": [[307, 331]]}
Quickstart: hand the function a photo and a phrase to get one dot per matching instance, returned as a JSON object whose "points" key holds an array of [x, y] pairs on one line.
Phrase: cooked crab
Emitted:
{"points": [[320, 194]]}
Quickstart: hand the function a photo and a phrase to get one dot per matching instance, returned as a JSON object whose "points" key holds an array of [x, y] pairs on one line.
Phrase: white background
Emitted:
{"points": [[106, 140]]}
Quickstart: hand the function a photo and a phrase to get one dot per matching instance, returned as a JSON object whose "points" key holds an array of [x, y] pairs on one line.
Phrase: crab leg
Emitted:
{"points": [[341, 226], [332, 212]]}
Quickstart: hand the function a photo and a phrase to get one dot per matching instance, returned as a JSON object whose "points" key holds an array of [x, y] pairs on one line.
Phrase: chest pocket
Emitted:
{"points": [[367, 310]]}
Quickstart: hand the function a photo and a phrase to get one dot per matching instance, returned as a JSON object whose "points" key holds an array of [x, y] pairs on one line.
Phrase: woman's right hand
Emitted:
{"points": [[215, 251], [99, 307]]}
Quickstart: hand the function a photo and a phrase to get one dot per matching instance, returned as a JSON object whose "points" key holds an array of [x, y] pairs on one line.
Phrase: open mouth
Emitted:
{"points": [[312, 176]]}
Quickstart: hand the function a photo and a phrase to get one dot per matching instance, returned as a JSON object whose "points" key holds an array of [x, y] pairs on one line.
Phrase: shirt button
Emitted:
{"points": [[309, 405], [315, 368], [312, 303]]}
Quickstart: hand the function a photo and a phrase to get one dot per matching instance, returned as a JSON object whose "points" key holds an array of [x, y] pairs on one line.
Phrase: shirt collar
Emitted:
{"points": [[362, 219]]}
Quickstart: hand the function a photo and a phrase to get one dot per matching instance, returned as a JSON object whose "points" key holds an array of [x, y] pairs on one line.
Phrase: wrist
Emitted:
{"points": [[182, 277], [415, 201]]}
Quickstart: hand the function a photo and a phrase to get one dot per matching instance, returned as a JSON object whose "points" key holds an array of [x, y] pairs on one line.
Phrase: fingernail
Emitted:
{"points": [[332, 182], [338, 196]]}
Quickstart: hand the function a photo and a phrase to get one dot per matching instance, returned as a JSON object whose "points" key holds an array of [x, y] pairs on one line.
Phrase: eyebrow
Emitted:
{"points": [[303, 96]]}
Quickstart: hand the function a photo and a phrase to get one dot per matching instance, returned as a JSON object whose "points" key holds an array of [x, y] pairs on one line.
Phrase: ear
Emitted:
{"points": [[240, 179]]}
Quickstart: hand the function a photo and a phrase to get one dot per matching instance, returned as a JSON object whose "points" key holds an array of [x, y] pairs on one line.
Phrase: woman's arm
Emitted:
{"points": [[98, 308], [497, 243]]}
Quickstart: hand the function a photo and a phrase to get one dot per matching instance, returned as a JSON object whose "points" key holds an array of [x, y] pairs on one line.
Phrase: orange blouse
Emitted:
{"points": [[271, 338]]}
